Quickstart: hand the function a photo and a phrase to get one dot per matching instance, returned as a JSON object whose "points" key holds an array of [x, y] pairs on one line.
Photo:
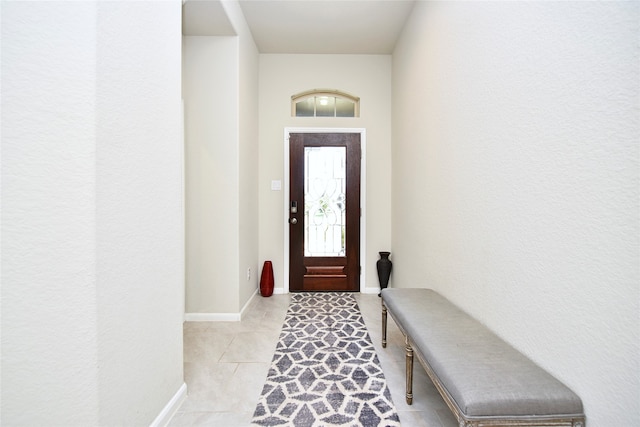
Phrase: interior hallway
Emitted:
{"points": [[503, 170], [226, 364]]}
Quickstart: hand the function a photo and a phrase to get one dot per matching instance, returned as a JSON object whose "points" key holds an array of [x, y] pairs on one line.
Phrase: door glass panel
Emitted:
{"points": [[324, 201]]}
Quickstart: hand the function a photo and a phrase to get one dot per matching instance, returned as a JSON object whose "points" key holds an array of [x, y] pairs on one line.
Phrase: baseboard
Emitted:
{"points": [[219, 317], [171, 408], [212, 317], [248, 303]]}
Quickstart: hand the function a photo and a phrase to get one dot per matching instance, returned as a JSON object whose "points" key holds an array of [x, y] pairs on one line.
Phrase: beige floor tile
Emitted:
{"points": [[251, 347], [207, 387], [206, 346]]}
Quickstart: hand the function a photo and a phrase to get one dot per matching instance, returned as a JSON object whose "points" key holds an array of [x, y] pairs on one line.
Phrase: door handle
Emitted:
{"points": [[293, 221]]}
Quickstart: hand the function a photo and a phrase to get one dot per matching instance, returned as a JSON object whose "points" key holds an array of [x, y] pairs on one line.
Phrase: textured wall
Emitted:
{"points": [[139, 213], [92, 225], [515, 181], [49, 307]]}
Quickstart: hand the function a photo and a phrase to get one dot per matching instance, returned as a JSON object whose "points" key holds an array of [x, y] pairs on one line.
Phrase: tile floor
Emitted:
{"points": [[226, 363]]}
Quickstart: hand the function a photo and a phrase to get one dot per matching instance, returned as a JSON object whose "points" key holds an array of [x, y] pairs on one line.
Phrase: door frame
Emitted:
{"points": [[363, 193]]}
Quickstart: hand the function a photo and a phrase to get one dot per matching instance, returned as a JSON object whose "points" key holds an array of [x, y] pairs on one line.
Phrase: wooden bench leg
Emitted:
{"points": [[409, 371], [384, 326]]}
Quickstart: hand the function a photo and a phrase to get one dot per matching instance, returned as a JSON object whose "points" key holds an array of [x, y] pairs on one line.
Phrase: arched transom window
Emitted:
{"points": [[325, 103]]}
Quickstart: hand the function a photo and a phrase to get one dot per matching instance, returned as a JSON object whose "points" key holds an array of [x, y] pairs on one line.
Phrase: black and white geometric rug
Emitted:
{"points": [[325, 371]]}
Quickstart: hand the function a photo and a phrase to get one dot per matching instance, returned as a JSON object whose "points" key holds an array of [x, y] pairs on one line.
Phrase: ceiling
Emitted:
{"points": [[306, 26]]}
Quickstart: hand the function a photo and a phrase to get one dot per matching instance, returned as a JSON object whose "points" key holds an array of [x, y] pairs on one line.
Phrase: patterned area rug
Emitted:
{"points": [[325, 371]]}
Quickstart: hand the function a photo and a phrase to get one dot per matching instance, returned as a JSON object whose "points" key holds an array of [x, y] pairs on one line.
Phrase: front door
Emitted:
{"points": [[324, 212]]}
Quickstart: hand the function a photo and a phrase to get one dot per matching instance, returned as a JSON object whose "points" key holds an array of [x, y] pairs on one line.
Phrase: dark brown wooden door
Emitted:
{"points": [[324, 212]]}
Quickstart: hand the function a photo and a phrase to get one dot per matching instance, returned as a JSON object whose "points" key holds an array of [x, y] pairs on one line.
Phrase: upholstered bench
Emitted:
{"points": [[483, 380]]}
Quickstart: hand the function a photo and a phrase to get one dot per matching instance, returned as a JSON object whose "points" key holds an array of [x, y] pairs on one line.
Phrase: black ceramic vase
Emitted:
{"points": [[384, 266]]}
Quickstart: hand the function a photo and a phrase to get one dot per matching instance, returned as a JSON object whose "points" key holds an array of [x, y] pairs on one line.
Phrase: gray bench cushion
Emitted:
{"points": [[483, 374]]}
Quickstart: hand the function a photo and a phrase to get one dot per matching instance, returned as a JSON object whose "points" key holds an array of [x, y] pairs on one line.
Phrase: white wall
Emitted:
{"points": [[49, 305], [92, 265], [366, 76], [515, 181], [247, 122], [221, 120], [211, 115], [139, 212]]}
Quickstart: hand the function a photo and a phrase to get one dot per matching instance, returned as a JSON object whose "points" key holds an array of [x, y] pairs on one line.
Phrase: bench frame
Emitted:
{"points": [[463, 420]]}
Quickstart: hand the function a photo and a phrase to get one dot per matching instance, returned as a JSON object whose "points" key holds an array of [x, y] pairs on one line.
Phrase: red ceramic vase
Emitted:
{"points": [[266, 280]]}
